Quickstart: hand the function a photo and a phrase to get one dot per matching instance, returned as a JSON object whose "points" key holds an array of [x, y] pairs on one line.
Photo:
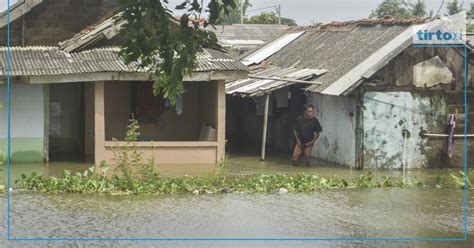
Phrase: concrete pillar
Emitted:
{"points": [[220, 120], [99, 122]]}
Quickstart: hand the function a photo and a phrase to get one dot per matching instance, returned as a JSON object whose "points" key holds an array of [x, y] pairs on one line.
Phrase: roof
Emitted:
{"points": [[246, 34], [45, 61], [17, 10], [107, 27], [348, 51], [271, 79]]}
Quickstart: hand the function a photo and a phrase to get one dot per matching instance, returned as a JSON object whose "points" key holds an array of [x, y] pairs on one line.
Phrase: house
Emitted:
{"points": [[71, 94], [242, 38], [375, 95]]}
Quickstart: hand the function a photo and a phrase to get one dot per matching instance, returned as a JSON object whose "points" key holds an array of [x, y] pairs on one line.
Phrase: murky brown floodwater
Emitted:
{"points": [[352, 213]]}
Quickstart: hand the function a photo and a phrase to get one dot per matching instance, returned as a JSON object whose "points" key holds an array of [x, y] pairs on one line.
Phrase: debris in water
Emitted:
{"points": [[282, 190]]}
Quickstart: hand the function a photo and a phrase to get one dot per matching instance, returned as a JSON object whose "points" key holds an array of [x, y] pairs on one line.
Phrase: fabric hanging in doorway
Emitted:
{"points": [[148, 106], [260, 105], [281, 96]]}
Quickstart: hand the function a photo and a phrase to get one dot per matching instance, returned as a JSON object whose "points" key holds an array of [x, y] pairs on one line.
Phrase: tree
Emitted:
{"points": [[418, 8], [234, 13], [400, 9], [394, 8], [270, 18], [164, 46], [454, 7]]}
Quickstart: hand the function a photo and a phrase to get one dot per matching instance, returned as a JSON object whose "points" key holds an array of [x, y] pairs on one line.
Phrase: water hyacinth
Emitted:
{"points": [[303, 182], [456, 180]]}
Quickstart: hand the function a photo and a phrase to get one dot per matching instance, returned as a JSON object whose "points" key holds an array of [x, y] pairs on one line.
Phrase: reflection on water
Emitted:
{"points": [[235, 165], [421, 212], [424, 212]]}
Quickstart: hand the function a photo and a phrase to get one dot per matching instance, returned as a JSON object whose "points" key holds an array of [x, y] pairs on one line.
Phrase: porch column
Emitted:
{"points": [[265, 124], [220, 120], [99, 122]]}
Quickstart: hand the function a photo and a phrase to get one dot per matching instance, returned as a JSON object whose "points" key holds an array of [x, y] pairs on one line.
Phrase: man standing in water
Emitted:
{"points": [[306, 131]]}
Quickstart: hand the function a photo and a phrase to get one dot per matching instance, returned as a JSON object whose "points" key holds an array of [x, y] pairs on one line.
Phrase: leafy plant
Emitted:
{"points": [[302, 182], [165, 46], [456, 180]]}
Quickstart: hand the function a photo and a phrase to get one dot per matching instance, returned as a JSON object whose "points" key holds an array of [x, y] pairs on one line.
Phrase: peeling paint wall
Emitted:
{"points": [[336, 143], [386, 114], [27, 122]]}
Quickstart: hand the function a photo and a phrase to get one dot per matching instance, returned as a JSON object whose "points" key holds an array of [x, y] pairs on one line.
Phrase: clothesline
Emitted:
{"points": [[406, 108]]}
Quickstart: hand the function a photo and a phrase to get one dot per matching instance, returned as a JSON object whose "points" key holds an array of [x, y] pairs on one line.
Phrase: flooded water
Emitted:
{"points": [[425, 212], [386, 213]]}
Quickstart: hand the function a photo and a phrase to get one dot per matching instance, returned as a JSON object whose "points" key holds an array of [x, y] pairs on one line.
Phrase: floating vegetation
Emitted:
{"points": [[303, 182], [456, 180]]}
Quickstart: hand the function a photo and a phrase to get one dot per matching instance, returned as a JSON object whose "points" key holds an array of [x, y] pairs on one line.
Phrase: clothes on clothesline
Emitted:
{"points": [[451, 127]]}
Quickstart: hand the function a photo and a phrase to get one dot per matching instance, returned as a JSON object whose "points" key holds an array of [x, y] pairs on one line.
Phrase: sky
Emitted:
{"points": [[307, 11]]}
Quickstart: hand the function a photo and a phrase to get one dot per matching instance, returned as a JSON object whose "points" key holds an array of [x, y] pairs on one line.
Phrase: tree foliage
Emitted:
{"points": [[234, 13], [454, 7], [164, 45], [269, 18], [400, 9]]}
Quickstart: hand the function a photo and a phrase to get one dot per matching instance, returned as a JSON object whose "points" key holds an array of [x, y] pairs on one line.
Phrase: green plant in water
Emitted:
{"points": [[303, 182], [456, 180]]}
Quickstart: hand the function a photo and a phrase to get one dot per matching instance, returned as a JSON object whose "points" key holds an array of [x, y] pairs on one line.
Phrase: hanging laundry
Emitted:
{"points": [[281, 96], [451, 127], [178, 107]]}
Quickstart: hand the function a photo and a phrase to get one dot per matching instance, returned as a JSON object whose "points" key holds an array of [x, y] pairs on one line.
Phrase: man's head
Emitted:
{"points": [[308, 110]]}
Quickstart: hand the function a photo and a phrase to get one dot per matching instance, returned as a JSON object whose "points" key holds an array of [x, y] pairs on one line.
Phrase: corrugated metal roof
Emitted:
{"points": [[348, 50], [42, 61], [255, 86], [269, 49], [246, 34]]}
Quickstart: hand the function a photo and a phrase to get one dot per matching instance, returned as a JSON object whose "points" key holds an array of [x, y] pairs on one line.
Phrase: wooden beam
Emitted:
{"points": [[265, 124]]}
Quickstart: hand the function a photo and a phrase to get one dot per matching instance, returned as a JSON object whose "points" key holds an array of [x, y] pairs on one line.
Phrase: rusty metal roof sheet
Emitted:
{"points": [[267, 83], [43, 61]]}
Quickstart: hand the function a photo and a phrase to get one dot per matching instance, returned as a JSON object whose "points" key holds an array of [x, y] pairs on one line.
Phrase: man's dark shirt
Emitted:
{"points": [[306, 128]]}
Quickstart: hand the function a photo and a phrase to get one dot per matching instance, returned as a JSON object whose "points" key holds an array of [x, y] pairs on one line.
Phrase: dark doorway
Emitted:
{"points": [[66, 125]]}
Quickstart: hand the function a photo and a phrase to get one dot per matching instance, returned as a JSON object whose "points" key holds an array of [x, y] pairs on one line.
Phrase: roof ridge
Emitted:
{"points": [[367, 21]]}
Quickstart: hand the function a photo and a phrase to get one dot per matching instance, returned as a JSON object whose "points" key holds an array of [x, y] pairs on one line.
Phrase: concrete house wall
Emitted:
{"points": [[27, 122], [387, 114], [336, 143], [165, 152], [412, 92]]}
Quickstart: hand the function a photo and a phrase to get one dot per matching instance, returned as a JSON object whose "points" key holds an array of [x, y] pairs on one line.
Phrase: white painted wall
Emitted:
{"points": [[27, 111], [336, 143]]}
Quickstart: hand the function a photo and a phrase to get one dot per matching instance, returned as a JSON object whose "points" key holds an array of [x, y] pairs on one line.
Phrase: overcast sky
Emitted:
{"points": [[307, 11]]}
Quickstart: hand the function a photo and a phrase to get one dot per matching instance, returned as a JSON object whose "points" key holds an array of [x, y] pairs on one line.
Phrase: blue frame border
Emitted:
{"points": [[231, 239]]}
